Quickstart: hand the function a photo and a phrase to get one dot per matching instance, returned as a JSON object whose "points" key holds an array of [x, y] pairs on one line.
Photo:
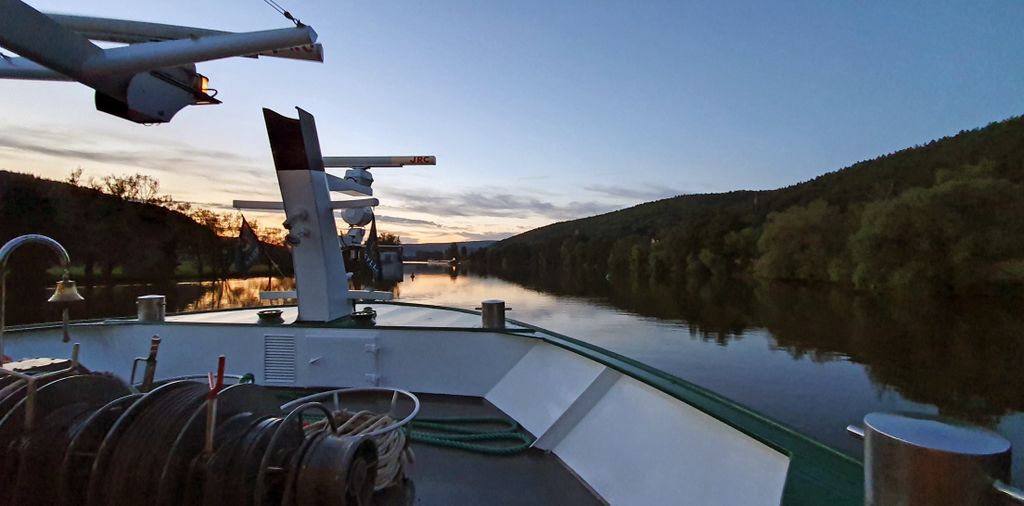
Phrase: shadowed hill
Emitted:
{"points": [[107, 236], [931, 211]]}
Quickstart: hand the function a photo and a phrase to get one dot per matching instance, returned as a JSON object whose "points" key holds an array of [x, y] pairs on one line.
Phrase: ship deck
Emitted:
{"points": [[451, 476], [388, 314]]}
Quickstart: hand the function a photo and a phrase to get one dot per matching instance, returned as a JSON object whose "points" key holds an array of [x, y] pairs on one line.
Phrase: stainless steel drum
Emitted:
{"points": [[493, 313], [152, 308], [917, 459]]}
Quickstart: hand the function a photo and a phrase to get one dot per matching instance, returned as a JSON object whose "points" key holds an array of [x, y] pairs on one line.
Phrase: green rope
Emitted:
{"points": [[458, 433]]}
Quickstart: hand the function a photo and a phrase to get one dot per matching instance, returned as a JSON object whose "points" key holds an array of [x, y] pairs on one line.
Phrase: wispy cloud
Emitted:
{"points": [[491, 202], [143, 153], [486, 236], [645, 193], [407, 221]]}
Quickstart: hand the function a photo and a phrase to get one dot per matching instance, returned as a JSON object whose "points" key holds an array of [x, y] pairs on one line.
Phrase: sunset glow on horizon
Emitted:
{"points": [[541, 112]]}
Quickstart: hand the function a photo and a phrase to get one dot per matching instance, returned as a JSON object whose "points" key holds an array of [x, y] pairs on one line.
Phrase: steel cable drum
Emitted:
{"points": [[99, 474], [81, 452], [236, 466], [12, 424], [138, 460], [189, 441], [279, 460], [208, 473], [336, 471], [61, 408], [274, 467]]}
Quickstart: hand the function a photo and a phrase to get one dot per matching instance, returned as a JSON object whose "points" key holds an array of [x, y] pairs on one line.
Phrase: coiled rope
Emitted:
{"points": [[458, 432]]}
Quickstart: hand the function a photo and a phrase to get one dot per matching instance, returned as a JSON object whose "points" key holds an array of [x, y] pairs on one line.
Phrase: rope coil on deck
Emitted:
{"points": [[455, 433]]}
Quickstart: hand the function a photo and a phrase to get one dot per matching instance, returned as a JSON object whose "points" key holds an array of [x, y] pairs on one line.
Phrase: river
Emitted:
{"points": [[814, 359]]}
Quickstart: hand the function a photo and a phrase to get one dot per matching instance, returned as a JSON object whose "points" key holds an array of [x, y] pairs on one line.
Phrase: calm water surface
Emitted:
{"points": [[815, 360]]}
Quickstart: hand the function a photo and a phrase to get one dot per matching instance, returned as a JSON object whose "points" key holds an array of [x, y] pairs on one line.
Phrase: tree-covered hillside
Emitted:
{"points": [[948, 214], [119, 227]]}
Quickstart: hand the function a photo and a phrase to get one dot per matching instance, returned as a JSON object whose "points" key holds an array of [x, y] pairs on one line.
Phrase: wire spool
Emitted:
{"points": [[12, 425], [61, 409], [388, 431], [209, 472], [336, 470], [82, 450], [102, 468], [236, 466], [393, 452], [189, 441], [144, 449], [277, 464]]}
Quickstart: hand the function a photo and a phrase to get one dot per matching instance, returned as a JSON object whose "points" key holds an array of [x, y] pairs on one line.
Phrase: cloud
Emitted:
{"points": [[490, 202], [407, 221], [214, 206], [162, 156], [646, 193], [485, 236]]}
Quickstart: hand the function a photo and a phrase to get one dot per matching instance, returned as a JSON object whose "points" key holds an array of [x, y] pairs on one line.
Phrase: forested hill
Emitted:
{"points": [[123, 235], [948, 213]]}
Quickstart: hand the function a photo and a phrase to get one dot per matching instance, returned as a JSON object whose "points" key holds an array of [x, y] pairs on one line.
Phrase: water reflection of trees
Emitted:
{"points": [[26, 303], [962, 355]]}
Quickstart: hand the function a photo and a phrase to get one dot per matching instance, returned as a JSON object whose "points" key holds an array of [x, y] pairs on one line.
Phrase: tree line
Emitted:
{"points": [[947, 216], [123, 228]]}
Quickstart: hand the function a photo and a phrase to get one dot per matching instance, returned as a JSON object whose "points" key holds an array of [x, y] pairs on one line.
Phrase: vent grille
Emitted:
{"points": [[279, 359]]}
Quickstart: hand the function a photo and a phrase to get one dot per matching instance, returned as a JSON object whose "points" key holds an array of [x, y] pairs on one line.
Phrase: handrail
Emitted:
{"points": [[334, 393], [31, 381]]}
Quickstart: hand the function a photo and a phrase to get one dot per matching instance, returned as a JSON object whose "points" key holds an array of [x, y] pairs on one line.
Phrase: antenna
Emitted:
{"points": [[359, 181]]}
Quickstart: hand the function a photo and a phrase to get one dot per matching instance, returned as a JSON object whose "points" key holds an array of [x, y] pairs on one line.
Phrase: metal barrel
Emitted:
{"points": [[916, 459], [152, 308], [493, 314]]}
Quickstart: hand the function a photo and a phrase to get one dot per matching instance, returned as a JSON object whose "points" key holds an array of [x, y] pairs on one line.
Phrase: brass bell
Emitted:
{"points": [[65, 292]]}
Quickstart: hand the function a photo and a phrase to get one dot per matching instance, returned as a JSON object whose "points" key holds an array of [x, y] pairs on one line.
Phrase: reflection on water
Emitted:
{"points": [[816, 359], [28, 305]]}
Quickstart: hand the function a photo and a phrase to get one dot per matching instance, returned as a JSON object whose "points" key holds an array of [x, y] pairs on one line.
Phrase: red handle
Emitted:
{"points": [[216, 386]]}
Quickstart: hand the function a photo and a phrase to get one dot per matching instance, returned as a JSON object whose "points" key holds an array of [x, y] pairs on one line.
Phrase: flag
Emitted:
{"points": [[371, 253], [248, 248]]}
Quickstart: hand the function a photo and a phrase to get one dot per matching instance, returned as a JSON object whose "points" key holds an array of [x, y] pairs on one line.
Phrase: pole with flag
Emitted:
{"points": [[248, 248], [371, 253]]}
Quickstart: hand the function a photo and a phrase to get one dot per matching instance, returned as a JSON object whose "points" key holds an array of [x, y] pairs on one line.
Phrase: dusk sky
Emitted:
{"points": [[544, 111]]}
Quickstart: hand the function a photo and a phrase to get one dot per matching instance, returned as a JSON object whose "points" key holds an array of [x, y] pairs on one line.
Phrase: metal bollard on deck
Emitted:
{"points": [[151, 308], [493, 314], [917, 459]]}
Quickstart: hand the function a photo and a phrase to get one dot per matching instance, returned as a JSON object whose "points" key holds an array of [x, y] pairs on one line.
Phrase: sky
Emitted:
{"points": [[542, 111]]}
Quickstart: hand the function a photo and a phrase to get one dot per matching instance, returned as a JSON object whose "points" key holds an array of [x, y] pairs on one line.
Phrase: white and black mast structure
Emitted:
{"points": [[321, 280]]}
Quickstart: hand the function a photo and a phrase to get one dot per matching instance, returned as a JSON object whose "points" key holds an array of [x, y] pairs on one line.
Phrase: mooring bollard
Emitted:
{"points": [[917, 459], [151, 308], [493, 314]]}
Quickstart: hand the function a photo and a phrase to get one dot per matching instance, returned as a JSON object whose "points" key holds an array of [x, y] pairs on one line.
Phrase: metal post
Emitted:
{"points": [[916, 459], [150, 373], [493, 314], [151, 308], [3, 308]]}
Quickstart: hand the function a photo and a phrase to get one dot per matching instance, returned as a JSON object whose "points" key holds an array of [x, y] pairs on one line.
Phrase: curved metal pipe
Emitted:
{"points": [[5, 253], [13, 244]]}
